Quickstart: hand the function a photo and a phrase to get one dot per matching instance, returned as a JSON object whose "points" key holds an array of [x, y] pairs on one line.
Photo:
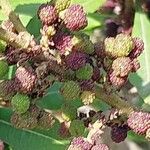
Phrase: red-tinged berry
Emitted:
{"points": [[75, 18], [85, 72], [99, 50], [122, 66], [76, 60], [119, 133], [139, 122], [138, 48], [7, 89], [96, 74], [135, 64], [47, 14], [70, 90], [86, 85], [48, 31], [25, 79], [100, 147], [64, 130], [63, 43], [81, 144], [8, 25], [116, 81]]}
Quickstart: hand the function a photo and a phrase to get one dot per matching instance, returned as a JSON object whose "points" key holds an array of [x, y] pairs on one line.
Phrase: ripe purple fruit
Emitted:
{"points": [[75, 18]]}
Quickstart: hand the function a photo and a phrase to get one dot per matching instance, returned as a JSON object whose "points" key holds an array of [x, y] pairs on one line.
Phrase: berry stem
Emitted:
{"points": [[115, 101], [13, 39]]}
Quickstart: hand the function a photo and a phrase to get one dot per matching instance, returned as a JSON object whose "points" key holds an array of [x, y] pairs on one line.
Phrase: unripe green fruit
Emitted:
{"points": [[20, 103], [69, 112], [2, 46], [76, 128], [70, 90], [85, 73], [3, 68]]}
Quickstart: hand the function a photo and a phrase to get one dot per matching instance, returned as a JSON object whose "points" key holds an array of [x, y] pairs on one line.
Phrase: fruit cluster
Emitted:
{"points": [[66, 54]]}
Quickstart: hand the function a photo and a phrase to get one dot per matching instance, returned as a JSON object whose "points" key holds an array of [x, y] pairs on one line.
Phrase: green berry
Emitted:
{"points": [[69, 112], [76, 128], [82, 43], [70, 90], [61, 5], [85, 73], [2, 46], [3, 68], [20, 103]]}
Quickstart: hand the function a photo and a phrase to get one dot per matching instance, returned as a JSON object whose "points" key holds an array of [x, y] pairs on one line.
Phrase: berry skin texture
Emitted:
{"points": [[139, 122], [119, 133], [70, 90], [2, 46], [47, 14], [61, 5], [20, 103], [85, 73], [45, 120], [116, 81], [3, 68], [135, 64], [87, 85], [87, 97], [75, 18], [138, 48], [100, 147], [23, 121], [120, 46], [25, 79], [76, 128], [76, 60], [7, 89], [122, 66], [69, 112], [63, 43], [80, 143]]}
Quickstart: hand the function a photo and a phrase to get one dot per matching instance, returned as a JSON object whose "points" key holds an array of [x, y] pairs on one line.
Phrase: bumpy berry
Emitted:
{"points": [[122, 66], [116, 81], [23, 121], [87, 97], [138, 49], [118, 47], [82, 43], [48, 31], [69, 112], [8, 25], [3, 68], [119, 133], [96, 74], [80, 144], [45, 120], [20, 103], [76, 128], [11, 54], [75, 18], [7, 89], [63, 43], [25, 79], [70, 90], [47, 14], [34, 111], [135, 64], [139, 122], [85, 72], [2, 46], [100, 49], [64, 130], [100, 147], [61, 5], [86, 85], [76, 60]]}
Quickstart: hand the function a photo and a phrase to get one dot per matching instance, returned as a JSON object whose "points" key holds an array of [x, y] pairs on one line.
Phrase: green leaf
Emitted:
{"points": [[142, 78], [90, 6], [23, 139]]}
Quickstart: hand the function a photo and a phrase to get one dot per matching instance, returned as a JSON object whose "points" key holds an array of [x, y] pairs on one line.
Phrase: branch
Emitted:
{"points": [[114, 101]]}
